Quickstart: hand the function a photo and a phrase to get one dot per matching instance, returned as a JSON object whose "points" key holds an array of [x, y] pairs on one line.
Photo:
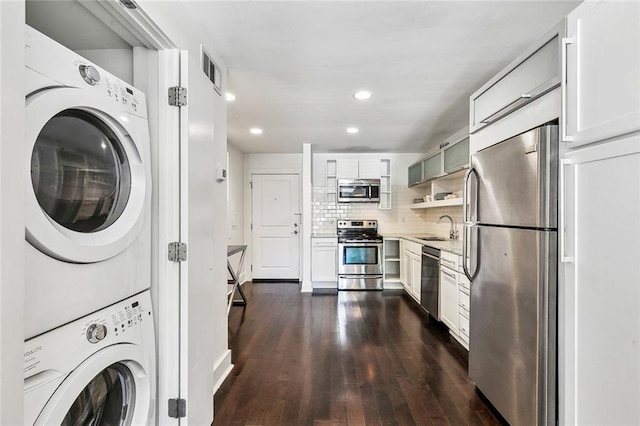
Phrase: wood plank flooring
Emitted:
{"points": [[352, 358]]}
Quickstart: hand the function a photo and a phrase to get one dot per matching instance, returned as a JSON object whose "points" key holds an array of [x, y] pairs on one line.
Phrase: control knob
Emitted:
{"points": [[96, 332], [90, 74]]}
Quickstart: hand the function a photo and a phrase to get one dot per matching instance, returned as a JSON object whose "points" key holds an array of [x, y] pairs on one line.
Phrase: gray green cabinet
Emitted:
{"points": [[452, 156]]}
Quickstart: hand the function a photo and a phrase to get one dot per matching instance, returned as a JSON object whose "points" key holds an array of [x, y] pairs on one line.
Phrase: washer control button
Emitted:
{"points": [[96, 332], [90, 74]]}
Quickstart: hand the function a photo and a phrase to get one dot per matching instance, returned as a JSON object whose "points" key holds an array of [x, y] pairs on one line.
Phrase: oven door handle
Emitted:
{"points": [[361, 244], [356, 277], [431, 256]]}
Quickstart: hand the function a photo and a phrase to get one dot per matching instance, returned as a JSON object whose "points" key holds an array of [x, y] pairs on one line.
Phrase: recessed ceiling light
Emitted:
{"points": [[353, 130], [362, 95], [230, 96], [256, 130]]}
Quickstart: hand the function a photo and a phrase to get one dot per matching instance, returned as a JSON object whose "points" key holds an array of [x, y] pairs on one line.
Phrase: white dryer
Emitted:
{"points": [[88, 178], [99, 369]]}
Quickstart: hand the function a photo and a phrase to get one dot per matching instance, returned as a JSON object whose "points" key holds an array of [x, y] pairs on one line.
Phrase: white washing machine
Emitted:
{"points": [[88, 241], [96, 370]]}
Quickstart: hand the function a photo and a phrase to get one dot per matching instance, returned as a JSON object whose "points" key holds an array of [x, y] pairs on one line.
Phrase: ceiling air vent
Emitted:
{"points": [[212, 71], [129, 4]]}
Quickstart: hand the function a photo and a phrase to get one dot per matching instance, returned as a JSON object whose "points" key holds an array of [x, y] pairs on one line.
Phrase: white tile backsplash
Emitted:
{"points": [[400, 219]]}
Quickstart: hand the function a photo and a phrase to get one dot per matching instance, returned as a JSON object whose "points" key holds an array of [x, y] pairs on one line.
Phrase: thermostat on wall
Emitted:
{"points": [[221, 174]]}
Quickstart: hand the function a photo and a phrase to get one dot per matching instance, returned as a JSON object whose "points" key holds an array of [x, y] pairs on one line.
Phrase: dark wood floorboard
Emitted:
{"points": [[352, 358]]}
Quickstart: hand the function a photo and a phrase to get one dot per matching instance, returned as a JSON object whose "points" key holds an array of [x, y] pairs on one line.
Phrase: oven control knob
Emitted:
{"points": [[96, 332], [90, 74]]}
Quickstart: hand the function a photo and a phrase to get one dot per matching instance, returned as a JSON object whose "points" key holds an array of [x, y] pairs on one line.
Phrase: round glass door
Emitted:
{"points": [[79, 172], [89, 180], [107, 400]]}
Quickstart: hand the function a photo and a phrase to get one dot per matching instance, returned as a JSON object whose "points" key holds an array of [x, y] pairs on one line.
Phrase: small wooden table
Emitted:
{"points": [[234, 283]]}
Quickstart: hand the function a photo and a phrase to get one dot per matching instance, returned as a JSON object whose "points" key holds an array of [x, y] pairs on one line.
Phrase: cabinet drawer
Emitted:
{"points": [[464, 327], [450, 260], [464, 283], [415, 248], [324, 242], [464, 302]]}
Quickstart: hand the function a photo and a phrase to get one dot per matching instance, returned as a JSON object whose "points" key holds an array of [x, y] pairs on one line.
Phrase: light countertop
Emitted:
{"points": [[324, 235], [453, 246]]}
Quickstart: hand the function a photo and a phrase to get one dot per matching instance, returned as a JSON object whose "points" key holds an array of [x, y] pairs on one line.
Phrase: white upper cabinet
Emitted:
{"points": [[530, 76], [358, 169], [602, 59]]}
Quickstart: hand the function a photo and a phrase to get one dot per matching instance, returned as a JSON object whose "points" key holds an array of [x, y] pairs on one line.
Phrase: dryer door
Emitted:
{"points": [[112, 387], [88, 185]]}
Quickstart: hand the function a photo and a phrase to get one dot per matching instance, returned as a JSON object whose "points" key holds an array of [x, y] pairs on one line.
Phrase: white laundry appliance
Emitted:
{"points": [[88, 185], [96, 370]]}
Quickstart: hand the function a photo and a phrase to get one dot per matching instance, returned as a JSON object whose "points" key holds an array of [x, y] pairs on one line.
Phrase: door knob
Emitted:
{"points": [[295, 225], [295, 232]]}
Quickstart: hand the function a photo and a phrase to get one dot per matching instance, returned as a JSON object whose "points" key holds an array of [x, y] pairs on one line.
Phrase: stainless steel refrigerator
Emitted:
{"points": [[510, 252]]}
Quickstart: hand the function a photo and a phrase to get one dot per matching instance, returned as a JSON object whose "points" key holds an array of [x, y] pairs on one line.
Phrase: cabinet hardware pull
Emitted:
{"points": [[448, 274], [566, 41], [563, 211]]}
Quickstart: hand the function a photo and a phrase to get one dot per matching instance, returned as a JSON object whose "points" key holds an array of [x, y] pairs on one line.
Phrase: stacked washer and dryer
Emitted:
{"points": [[89, 334]]}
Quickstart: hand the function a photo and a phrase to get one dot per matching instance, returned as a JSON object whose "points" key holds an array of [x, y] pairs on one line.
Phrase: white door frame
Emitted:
{"points": [[162, 66], [248, 214]]}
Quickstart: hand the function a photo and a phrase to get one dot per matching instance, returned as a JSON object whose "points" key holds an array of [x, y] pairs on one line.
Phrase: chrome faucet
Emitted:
{"points": [[453, 233]]}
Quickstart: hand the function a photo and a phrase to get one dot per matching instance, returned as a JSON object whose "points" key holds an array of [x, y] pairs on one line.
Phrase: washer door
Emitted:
{"points": [[112, 387], [88, 187]]}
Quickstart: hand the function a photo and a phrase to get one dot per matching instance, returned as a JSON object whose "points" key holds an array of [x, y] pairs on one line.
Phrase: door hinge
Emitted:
{"points": [[177, 252], [251, 268], [178, 96], [177, 408]]}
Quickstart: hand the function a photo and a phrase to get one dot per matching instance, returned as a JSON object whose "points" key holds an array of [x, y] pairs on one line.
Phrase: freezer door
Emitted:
{"points": [[517, 181], [512, 340]]}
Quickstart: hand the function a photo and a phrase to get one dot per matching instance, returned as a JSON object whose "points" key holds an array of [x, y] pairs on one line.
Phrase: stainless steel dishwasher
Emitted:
{"points": [[430, 281]]}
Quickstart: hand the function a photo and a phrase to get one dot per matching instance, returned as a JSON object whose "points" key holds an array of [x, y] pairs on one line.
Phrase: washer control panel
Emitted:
{"points": [[129, 321]]}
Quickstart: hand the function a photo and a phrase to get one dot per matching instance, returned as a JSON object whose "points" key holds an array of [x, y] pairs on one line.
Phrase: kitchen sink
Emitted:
{"points": [[429, 237]]}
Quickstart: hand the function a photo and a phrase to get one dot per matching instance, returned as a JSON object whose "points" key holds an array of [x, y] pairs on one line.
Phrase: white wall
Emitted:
{"points": [[12, 178], [273, 161], [235, 209]]}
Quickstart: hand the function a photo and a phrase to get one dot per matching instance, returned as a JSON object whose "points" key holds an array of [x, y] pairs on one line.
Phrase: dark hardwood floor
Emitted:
{"points": [[352, 358]]}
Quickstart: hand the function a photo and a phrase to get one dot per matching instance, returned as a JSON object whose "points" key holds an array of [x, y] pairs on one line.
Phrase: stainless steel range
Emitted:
{"points": [[359, 255]]}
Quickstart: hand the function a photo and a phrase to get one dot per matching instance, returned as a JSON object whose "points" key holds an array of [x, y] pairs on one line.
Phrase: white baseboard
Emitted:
{"points": [[306, 287], [221, 370]]}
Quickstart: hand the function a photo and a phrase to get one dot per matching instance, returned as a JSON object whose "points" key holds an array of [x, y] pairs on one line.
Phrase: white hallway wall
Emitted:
{"points": [[12, 173], [209, 358]]}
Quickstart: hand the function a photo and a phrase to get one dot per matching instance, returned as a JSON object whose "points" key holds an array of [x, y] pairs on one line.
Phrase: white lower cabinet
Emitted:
{"points": [[411, 267], [464, 304], [449, 291], [324, 262]]}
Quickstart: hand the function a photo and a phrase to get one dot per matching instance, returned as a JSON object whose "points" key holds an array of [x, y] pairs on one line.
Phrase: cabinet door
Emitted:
{"points": [[449, 299], [602, 71], [599, 314], [415, 174], [456, 156], [369, 169], [347, 169], [324, 259], [416, 272], [432, 167], [403, 264]]}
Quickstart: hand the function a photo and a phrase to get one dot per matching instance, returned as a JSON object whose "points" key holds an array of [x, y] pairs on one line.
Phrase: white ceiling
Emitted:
{"points": [[294, 66]]}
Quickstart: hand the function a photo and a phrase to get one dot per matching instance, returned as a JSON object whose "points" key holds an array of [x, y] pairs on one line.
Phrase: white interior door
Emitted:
{"points": [[276, 226]]}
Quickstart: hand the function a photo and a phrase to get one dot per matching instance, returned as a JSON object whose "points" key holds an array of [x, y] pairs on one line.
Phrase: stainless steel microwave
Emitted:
{"points": [[358, 190]]}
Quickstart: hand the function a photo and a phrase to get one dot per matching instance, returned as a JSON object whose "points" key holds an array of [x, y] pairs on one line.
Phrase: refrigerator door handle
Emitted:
{"points": [[466, 255], [465, 194]]}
